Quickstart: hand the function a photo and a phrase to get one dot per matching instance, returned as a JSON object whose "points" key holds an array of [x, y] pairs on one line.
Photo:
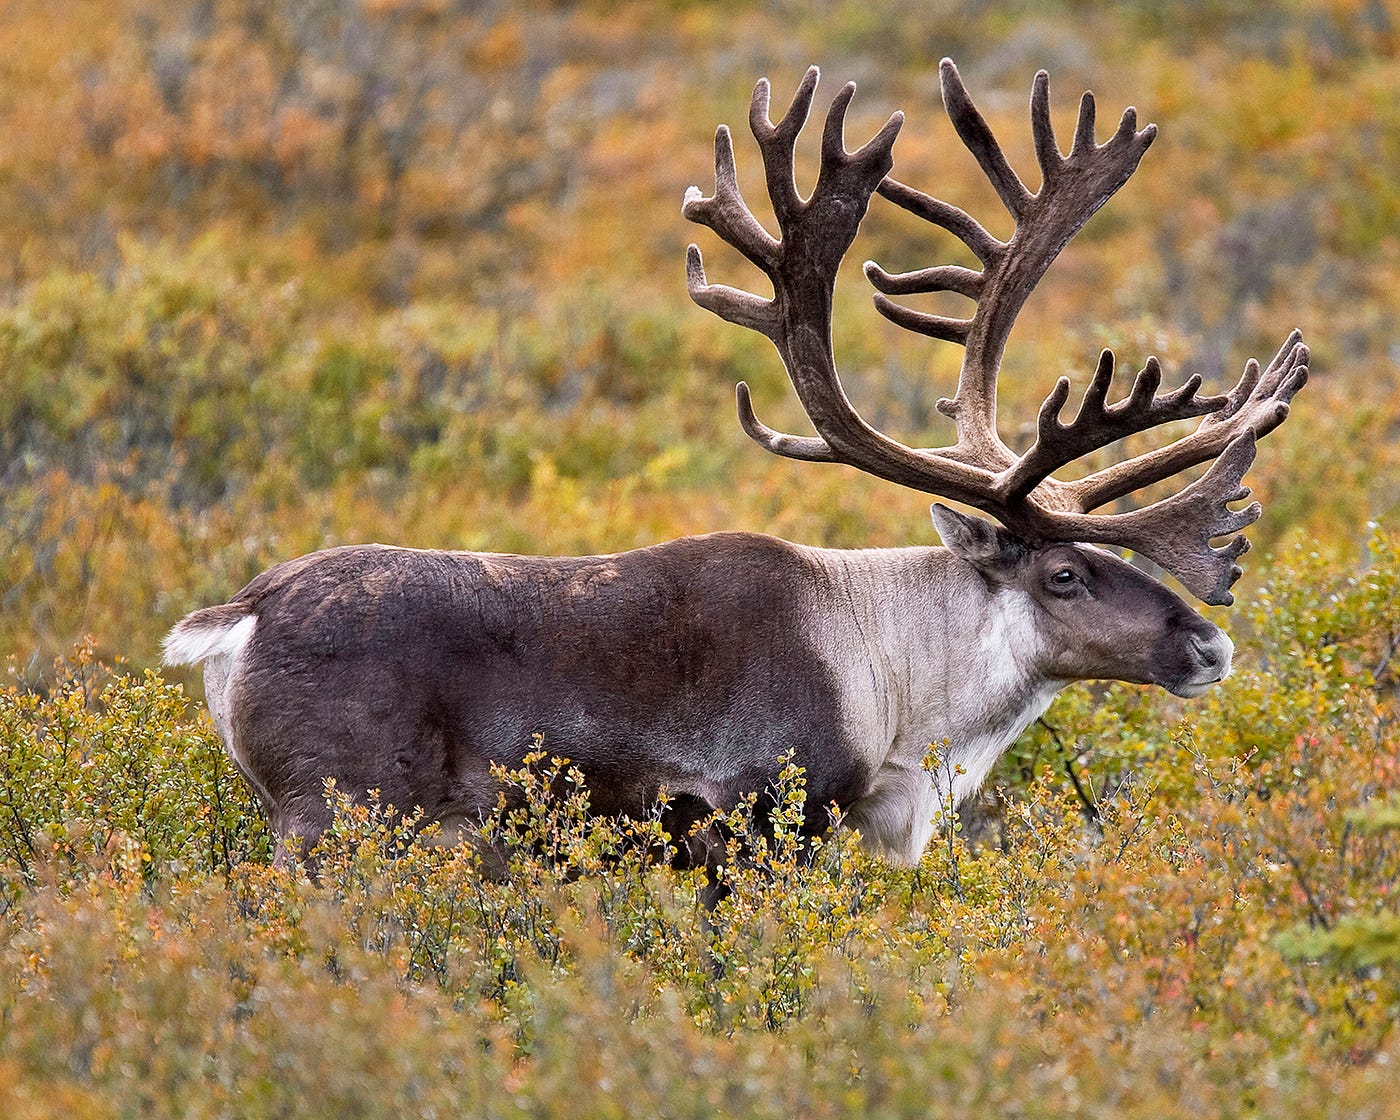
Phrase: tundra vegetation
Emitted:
{"points": [[285, 275]]}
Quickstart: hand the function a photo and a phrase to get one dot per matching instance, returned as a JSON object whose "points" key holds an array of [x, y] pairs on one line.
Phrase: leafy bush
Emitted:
{"points": [[264, 294], [1217, 936], [106, 769]]}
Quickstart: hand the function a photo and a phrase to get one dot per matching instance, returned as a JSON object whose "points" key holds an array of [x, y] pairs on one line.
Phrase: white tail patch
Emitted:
{"points": [[194, 639]]}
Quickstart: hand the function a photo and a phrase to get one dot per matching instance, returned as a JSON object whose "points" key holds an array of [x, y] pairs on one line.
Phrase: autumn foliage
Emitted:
{"points": [[280, 275]]}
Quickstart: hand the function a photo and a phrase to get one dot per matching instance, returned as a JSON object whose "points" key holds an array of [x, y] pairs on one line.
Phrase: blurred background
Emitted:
{"points": [[283, 274]]}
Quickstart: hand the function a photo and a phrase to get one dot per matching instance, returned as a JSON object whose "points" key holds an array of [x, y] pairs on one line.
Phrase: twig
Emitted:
{"points": [[1087, 803]]}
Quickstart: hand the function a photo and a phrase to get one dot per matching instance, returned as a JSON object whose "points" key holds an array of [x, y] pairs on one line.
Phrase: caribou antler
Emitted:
{"points": [[802, 267], [979, 469]]}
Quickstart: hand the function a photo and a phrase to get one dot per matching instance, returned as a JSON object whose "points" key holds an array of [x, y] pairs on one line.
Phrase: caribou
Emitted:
{"points": [[684, 674]]}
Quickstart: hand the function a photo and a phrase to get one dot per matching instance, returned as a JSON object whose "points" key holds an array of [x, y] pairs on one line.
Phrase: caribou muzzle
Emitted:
{"points": [[1208, 655]]}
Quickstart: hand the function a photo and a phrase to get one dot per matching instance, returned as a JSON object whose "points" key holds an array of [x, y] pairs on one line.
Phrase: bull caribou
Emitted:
{"points": [[691, 669]]}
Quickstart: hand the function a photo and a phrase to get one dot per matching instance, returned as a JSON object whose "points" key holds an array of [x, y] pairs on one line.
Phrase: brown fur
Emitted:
{"points": [[680, 666]]}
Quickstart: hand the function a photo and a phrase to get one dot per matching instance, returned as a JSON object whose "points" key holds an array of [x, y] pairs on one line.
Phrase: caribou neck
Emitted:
{"points": [[949, 661]]}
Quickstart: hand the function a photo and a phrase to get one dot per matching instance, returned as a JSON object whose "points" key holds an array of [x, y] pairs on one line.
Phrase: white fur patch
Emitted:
{"points": [[922, 653], [191, 643], [899, 816]]}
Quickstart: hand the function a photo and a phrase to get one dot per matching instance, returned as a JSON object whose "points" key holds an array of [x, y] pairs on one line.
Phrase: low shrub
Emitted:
{"points": [[1201, 922]]}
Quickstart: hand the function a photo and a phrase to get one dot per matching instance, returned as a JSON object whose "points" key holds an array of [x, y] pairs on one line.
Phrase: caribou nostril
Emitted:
{"points": [[1211, 654]]}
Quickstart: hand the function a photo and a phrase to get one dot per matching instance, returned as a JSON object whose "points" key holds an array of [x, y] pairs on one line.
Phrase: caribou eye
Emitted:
{"points": [[1064, 578]]}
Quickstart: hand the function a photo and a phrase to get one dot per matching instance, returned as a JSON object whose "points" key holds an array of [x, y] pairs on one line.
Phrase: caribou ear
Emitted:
{"points": [[981, 543]]}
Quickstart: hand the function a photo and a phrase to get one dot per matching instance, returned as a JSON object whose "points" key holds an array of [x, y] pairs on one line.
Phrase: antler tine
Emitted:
{"points": [[972, 127], [743, 308], [806, 448], [941, 278], [726, 212], [776, 142], [1047, 150], [1099, 423], [1258, 403], [1287, 373], [1176, 532], [834, 130], [958, 222], [1084, 127]]}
